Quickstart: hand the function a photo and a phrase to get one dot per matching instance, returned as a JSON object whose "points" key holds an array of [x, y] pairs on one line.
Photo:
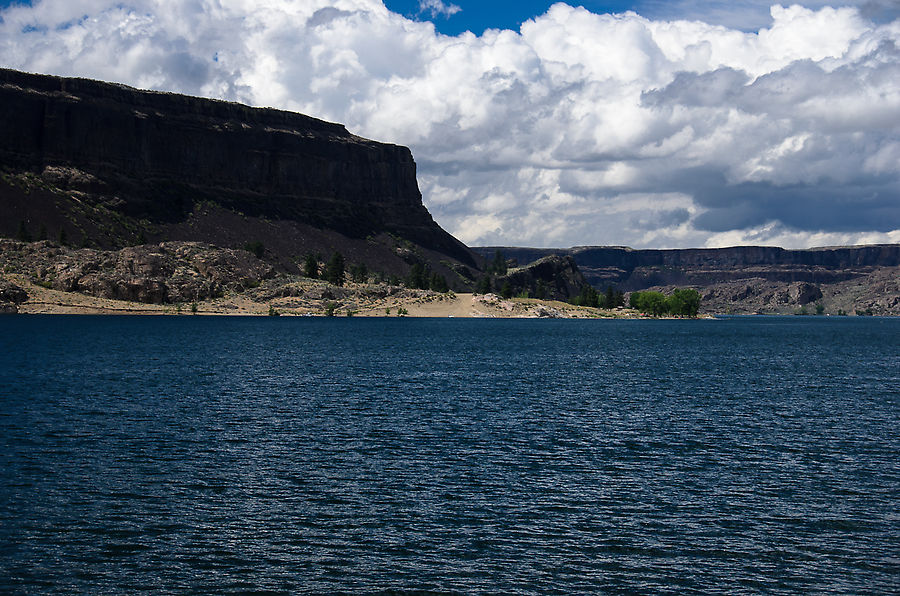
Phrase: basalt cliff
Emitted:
{"points": [[107, 166], [747, 279]]}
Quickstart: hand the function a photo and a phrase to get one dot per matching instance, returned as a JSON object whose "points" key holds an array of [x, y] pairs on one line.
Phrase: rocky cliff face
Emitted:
{"points": [[122, 164], [551, 277], [747, 279]]}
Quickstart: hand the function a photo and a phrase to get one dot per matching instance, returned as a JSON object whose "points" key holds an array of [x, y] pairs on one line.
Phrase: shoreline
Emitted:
{"points": [[46, 301]]}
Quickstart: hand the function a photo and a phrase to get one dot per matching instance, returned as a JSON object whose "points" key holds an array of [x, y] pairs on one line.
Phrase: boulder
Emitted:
{"points": [[10, 293]]}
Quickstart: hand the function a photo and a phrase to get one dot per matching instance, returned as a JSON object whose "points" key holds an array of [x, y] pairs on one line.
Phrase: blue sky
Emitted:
{"points": [[476, 16], [685, 123]]}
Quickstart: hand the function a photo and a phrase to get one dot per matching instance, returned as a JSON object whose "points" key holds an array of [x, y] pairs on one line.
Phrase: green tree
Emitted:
{"points": [[498, 265], [63, 237], [439, 283], [311, 266], [418, 278], [23, 234], [334, 269], [609, 299], [506, 291], [587, 297], [634, 300], [652, 303], [484, 285], [359, 273], [685, 302]]}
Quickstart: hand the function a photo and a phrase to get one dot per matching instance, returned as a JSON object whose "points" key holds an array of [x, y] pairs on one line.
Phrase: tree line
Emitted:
{"points": [[683, 302], [336, 270], [612, 298]]}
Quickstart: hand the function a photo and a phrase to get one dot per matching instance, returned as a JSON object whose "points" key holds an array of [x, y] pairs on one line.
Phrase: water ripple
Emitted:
{"points": [[410, 456]]}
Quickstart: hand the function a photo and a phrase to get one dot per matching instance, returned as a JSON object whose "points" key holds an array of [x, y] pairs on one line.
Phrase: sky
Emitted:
{"points": [[651, 124]]}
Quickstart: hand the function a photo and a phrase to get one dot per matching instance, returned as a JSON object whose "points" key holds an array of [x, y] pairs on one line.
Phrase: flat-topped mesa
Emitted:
{"points": [[162, 154], [637, 269]]}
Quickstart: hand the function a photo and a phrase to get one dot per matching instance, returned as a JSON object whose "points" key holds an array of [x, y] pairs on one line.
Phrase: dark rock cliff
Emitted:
{"points": [[745, 279], [154, 158]]}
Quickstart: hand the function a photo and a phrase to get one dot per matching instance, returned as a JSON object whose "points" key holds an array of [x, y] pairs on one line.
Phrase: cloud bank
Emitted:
{"points": [[578, 129]]}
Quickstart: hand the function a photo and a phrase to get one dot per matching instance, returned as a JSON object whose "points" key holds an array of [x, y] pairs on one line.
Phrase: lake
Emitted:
{"points": [[301, 455]]}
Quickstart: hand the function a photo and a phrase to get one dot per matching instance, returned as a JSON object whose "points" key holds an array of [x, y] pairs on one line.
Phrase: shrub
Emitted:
{"points": [[256, 248]]}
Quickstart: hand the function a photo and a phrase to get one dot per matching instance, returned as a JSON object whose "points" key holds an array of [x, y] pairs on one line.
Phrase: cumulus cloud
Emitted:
{"points": [[577, 129]]}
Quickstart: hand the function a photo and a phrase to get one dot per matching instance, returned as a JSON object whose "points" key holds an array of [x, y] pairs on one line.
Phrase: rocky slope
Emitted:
{"points": [[173, 273], [747, 279], [190, 277], [109, 166]]}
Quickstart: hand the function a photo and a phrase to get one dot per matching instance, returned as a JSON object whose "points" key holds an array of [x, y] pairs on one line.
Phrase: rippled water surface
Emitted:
{"points": [[285, 455]]}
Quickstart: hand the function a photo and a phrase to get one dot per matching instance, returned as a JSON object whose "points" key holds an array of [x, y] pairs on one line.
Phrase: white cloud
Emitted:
{"points": [[578, 129], [438, 8]]}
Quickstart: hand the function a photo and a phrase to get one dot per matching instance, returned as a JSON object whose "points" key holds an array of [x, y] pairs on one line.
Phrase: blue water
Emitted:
{"points": [[287, 455]]}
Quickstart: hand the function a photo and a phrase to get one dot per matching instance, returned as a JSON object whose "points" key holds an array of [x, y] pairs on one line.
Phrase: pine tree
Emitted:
{"points": [[311, 266], [23, 234], [334, 269], [484, 285]]}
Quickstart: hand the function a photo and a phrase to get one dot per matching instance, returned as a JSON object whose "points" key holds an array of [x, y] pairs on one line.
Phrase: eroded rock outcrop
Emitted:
{"points": [[551, 277], [169, 272]]}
